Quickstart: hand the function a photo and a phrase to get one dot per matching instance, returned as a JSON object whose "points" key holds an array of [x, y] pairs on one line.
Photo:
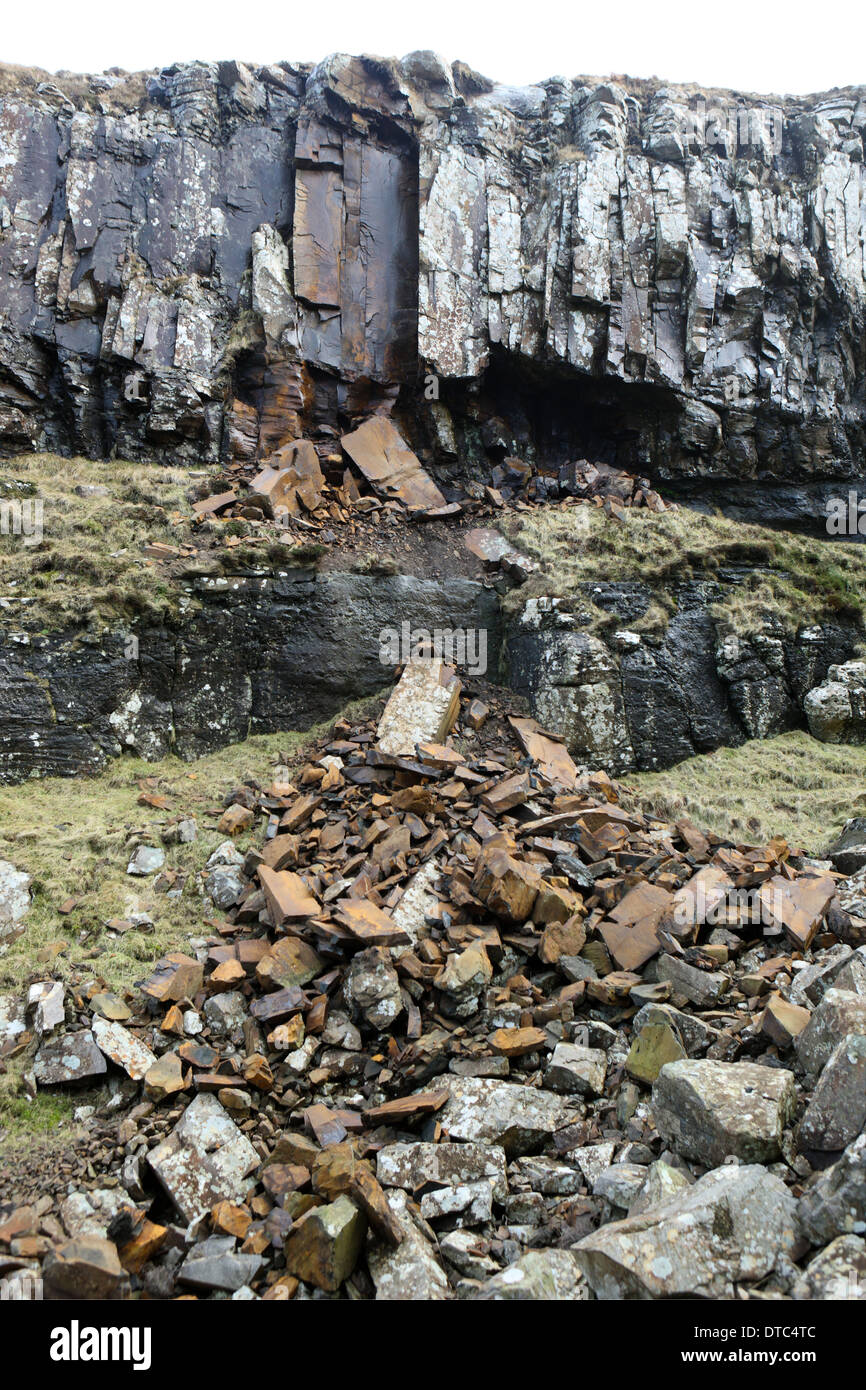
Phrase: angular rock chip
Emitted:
{"points": [[85, 1268], [837, 1274], [422, 707], [575, 1070], [519, 1118], [123, 1048], [215, 1264], [836, 1114], [539, 1275], [14, 902], [290, 961], [411, 1272], [323, 1248], [381, 453], [412, 1166], [839, 1013], [835, 1204]]}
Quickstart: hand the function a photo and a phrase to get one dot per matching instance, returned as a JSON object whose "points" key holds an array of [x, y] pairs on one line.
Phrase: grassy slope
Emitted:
{"points": [[797, 579], [791, 785]]}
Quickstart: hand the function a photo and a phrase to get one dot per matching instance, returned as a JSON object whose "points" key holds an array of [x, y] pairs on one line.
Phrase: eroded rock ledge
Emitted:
{"points": [[213, 259]]}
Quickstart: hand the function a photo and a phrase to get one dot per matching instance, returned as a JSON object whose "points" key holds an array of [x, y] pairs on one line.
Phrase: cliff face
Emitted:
{"points": [[213, 259]]}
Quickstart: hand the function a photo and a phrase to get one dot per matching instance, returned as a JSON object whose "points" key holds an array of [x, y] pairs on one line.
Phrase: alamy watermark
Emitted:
{"points": [[846, 516], [465, 647], [22, 516], [731, 126], [722, 906]]}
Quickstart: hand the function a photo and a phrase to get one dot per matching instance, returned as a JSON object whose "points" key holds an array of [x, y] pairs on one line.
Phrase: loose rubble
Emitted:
{"points": [[459, 1025]]}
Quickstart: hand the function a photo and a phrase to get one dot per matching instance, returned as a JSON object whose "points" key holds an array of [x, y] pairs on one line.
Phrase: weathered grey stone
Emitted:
{"points": [[410, 1272], [835, 1204], [46, 1000], [226, 1013], [839, 1013], [123, 1048], [214, 1263], [90, 1213], [519, 1118], [837, 1111], [837, 1274], [709, 1110], [410, 1166], [575, 1070], [465, 1251], [620, 1184], [147, 859], [701, 987], [662, 1182], [730, 1227], [14, 901], [372, 988], [69, 1058], [539, 1275], [465, 1204], [206, 1159], [546, 1175], [811, 983]]}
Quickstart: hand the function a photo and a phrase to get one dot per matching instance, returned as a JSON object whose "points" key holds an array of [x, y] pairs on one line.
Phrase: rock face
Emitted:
{"points": [[258, 653], [211, 258], [640, 701]]}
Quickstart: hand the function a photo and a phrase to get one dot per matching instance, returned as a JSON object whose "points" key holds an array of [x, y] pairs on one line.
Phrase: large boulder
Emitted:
{"points": [[731, 1227], [709, 1110]]}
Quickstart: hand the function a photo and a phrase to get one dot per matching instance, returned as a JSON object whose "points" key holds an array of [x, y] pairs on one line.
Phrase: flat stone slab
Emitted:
{"points": [[123, 1048], [422, 708], [206, 1159], [69, 1058], [410, 1166], [14, 901]]}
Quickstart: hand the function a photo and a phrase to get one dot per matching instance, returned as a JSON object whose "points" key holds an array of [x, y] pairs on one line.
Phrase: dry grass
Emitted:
{"points": [[791, 785], [791, 578], [75, 838], [88, 568]]}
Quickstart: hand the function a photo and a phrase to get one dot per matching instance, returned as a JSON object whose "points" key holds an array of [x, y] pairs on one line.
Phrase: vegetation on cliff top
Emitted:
{"points": [[778, 575]]}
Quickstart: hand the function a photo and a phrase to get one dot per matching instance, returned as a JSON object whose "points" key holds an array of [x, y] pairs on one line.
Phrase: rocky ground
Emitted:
{"points": [[458, 1026]]}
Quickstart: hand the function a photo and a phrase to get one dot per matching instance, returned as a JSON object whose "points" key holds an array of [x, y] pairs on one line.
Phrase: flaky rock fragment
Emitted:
{"points": [[731, 1227], [708, 1110]]}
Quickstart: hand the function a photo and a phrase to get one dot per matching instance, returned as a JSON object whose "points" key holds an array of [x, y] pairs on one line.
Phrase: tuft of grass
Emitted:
{"points": [[790, 785], [770, 575]]}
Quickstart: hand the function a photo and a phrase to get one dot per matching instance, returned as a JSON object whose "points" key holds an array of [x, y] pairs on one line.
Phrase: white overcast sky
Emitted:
{"points": [[772, 47]]}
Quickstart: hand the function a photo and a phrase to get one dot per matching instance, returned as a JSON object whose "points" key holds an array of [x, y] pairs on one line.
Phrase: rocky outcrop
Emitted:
{"points": [[215, 259], [255, 653], [631, 699]]}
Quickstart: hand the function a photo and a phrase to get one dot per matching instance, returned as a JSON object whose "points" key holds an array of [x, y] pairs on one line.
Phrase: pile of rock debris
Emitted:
{"points": [[467, 1028]]}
